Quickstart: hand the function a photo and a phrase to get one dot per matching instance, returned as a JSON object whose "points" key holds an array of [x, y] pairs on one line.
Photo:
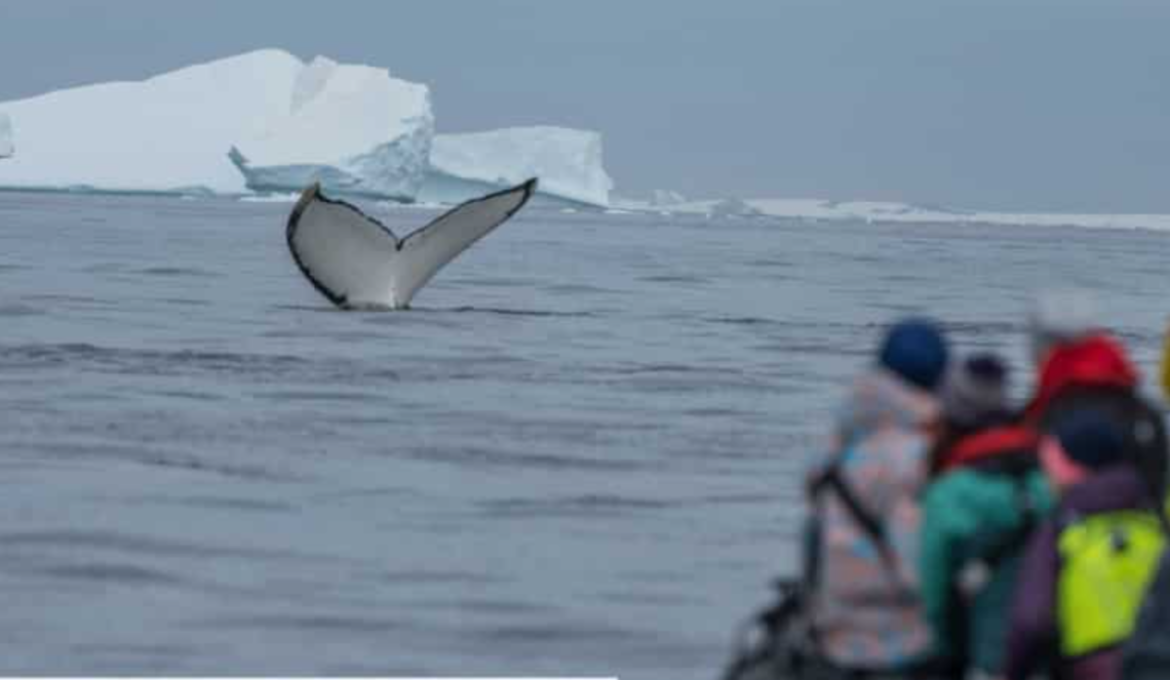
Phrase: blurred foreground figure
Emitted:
{"points": [[985, 497], [1080, 365], [1087, 568], [1166, 367], [865, 610]]}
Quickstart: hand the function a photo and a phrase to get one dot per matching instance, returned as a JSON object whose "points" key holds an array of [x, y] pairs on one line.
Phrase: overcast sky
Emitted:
{"points": [[1025, 104]]}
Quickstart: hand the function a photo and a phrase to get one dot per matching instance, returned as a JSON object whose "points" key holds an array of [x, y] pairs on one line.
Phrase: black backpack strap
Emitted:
{"points": [[833, 479], [774, 643], [979, 569], [1011, 543]]}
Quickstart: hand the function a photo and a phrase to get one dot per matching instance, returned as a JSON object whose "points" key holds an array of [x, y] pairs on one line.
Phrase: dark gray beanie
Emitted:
{"points": [[975, 390]]}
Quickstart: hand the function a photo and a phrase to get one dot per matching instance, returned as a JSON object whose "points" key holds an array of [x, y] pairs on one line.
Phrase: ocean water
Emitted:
{"points": [[577, 455]]}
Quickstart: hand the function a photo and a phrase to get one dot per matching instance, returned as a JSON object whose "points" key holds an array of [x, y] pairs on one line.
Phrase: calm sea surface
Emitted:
{"points": [[578, 454]]}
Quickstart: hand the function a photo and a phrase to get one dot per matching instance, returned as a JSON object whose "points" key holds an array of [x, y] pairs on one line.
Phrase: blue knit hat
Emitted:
{"points": [[916, 350], [1091, 438]]}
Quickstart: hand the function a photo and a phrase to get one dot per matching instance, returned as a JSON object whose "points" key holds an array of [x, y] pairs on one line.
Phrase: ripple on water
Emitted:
{"points": [[176, 272], [126, 543], [307, 623], [169, 363], [601, 507], [112, 574], [16, 309]]}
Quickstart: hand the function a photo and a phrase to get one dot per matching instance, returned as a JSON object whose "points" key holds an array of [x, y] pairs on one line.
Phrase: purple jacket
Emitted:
{"points": [[1033, 639]]}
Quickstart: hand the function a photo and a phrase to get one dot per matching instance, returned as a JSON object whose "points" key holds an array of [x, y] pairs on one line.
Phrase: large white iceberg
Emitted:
{"points": [[352, 128], [165, 133], [267, 122], [7, 148], [567, 161], [173, 132]]}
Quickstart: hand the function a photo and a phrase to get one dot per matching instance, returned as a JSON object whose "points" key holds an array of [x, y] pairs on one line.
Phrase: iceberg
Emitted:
{"points": [[167, 133], [345, 125], [353, 129], [7, 148], [567, 161]]}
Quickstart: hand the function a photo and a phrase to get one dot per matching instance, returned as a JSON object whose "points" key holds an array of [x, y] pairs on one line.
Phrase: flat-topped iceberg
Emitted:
{"points": [[167, 133], [267, 122], [567, 161], [7, 147], [351, 126]]}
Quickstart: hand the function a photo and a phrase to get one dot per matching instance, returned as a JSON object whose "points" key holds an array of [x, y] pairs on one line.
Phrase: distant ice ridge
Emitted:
{"points": [[352, 128], [7, 148], [567, 161], [880, 211]]}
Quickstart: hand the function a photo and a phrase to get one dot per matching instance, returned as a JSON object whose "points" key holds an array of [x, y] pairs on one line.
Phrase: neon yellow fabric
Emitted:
{"points": [[1107, 561]]}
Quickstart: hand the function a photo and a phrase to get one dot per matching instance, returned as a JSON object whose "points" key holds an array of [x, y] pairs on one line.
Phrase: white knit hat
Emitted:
{"points": [[1062, 315]]}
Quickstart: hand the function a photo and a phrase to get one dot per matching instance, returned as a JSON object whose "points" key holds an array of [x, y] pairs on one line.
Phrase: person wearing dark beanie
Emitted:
{"points": [[1087, 567], [868, 616], [986, 493], [1079, 365]]}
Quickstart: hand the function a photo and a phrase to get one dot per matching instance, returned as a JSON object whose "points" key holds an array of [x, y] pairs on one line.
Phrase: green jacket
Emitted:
{"points": [[973, 510]]}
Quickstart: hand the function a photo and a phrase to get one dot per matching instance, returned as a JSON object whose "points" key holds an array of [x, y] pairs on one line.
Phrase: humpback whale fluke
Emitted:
{"points": [[356, 261]]}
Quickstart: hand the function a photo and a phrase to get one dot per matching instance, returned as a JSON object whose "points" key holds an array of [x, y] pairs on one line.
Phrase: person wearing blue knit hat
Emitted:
{"points": [[862, 544]]}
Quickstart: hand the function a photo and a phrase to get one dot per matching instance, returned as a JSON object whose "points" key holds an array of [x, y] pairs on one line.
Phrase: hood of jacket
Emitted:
{"points": [[880, 399]]}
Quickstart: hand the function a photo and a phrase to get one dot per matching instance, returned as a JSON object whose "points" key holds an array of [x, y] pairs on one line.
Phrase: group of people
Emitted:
{"points": [[952, 535]]}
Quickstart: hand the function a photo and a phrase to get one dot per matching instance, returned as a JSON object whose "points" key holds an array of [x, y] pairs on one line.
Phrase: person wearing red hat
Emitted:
{"points": [[1080, 365]]}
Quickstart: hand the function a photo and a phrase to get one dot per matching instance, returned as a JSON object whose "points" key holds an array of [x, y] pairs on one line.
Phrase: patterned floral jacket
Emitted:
{"points": [[865, 608]]}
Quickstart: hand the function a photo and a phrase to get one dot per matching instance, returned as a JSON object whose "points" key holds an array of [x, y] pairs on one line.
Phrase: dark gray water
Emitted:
{"points": [[576, 456]]}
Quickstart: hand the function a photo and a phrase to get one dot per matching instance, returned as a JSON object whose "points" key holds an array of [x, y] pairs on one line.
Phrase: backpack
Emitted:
{"points": [[1146, 655], [988, 554], [1108, 560]]}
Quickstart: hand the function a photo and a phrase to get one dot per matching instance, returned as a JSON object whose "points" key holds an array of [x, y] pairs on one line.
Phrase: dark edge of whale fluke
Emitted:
{"points": [[528, 187], [313, 193]]}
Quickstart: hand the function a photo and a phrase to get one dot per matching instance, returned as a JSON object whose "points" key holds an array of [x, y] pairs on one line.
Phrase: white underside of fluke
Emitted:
{"points": [[357, 262]]}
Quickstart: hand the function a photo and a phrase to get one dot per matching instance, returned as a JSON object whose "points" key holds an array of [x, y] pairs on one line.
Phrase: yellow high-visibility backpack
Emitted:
{"points": [[1107, 562]]}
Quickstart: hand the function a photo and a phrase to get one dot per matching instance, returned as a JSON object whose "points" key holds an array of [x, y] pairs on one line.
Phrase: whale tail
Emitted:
{"points": [[355, 261]]}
